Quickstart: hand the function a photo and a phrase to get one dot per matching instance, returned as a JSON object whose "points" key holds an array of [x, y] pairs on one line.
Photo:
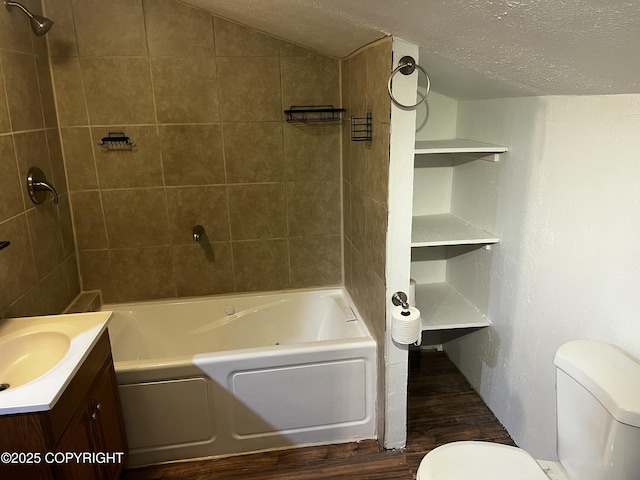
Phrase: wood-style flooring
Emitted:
{"points": [[442, 408]]}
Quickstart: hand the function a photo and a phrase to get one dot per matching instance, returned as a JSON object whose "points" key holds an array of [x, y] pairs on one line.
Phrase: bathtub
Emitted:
{"points": [[224, 375]]}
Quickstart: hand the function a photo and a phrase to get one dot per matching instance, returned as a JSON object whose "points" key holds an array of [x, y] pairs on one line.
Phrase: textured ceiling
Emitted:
{"points": [[472, 48]]}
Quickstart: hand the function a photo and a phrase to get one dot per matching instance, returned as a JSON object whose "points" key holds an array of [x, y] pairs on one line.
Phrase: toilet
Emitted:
{"points": [[598, 426]]}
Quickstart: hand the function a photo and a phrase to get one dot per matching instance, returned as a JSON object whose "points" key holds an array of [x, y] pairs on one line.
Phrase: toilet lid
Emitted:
{"points": [[479, 461]]}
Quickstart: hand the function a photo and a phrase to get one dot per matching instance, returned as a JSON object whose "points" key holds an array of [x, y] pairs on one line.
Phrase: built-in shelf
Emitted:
{"points": [[443, 308], [446, 229], [486, 151], [441, 305]]}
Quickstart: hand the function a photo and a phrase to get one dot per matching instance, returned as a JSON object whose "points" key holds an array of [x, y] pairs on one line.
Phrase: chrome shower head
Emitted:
{"points": [[39, 24]]}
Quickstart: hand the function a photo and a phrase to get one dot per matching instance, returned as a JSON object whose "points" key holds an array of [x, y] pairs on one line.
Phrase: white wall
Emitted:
{"points": [[568, 263]]}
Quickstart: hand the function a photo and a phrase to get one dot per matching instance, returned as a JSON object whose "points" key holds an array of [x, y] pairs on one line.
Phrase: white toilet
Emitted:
{"points": [[598, 404]]}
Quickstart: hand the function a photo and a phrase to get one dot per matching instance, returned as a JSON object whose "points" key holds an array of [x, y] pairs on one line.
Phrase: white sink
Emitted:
{"points": [[40, 355], [26, 356]]}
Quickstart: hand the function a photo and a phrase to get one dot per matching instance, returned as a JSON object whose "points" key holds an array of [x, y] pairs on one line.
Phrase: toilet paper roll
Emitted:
{"points": [[406, 325], [412, 292]]}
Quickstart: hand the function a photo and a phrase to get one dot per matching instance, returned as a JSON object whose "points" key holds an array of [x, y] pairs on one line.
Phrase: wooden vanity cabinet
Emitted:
{"points": [[87, 418]]}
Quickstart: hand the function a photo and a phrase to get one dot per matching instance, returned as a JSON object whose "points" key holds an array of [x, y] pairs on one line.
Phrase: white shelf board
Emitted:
{"points": [[446, 229], [443, 308], [456, 145]]}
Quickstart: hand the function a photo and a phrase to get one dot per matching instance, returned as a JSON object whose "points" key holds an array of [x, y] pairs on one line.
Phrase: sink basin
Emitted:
{"points": [[27, 356], [39, 357]]}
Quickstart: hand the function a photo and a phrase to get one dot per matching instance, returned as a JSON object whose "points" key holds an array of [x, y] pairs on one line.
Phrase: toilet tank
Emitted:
{"points": [[598, 401]]}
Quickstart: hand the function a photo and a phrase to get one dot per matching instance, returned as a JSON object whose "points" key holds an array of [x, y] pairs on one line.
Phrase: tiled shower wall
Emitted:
{"points": [[365, 182], [203, 100], [38, 273]]}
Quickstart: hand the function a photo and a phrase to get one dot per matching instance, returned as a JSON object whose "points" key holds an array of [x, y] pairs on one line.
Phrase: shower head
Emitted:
{"points": [[39, 24]]}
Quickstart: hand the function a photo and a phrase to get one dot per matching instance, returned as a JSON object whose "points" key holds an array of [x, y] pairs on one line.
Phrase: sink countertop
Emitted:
{"points": [[42, 393]]}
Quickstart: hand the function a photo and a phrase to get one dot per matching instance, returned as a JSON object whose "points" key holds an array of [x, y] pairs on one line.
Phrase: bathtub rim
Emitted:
{"points": [[220, 296], [127, 368]]}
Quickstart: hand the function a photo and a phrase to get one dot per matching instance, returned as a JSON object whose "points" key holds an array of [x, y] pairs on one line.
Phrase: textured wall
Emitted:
{"points": [[567, 266], [38, 272], [203, 99]]}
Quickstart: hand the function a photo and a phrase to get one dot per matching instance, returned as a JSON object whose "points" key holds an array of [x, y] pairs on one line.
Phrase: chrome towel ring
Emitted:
{"points": [[407, 66]]}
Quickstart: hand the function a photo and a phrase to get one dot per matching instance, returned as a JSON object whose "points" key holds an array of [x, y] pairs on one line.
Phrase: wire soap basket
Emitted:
{"points": [[116, 141], [361, 128]]}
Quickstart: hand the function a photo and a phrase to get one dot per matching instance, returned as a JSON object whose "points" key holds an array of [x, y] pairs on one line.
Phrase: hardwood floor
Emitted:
{"points": [[442, 407]]}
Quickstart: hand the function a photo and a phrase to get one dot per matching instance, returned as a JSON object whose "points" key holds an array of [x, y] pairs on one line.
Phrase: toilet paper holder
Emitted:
{"points": [[400, 299]]}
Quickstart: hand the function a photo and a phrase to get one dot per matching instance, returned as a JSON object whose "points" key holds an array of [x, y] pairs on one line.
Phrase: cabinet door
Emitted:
{"points": [[77, 438], [107, 425]]}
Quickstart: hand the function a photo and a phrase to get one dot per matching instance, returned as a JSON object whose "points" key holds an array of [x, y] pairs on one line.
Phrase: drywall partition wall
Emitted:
{"points": [[203, 100], [38, 272], [402, 147], [567, 266], [436, 116]]}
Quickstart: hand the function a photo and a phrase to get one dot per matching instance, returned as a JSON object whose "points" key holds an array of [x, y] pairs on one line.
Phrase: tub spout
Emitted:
{"points": [[198, 231]]}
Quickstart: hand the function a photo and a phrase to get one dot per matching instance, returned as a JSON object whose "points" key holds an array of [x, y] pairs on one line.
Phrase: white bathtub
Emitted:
{"points": [[223, 375]]}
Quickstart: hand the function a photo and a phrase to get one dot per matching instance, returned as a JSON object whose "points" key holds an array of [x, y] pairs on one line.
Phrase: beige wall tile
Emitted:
{"points": [[186, 90], [58, 172], [312, 153], [250, 82], [136, 217], [88, 220], [139, 167], [118, 90], [28, 305], [109, 28], [5, 123], [313, 208], [62, 38], [178, 30], [11, 197], [288, 49], [377, 171], [315, 261], [32, 151], [376, 237], [310, 81], [234, 40], [95, 273], [17, 269], [142, 273], [358, 87], [73, 278], [66, 226], [190, 206], [54, 294], [261, 265], [253, 152], [346, 209], [182, 171], [46, 238], [379, 66], [192, 154], [346, 124], [15, 31], [257, 211], [21, 84], [358, 203], [70, 97], [46, 92], [203, 269], [78, 151]]}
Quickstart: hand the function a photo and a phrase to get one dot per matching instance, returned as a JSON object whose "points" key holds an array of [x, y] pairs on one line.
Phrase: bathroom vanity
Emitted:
{"points": [[81, 435]]}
